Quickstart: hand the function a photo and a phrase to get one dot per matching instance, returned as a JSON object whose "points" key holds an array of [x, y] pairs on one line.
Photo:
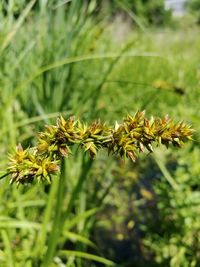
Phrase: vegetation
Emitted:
{"points": [[194, 7], [134, 134], [148, 12], [60, 59]]}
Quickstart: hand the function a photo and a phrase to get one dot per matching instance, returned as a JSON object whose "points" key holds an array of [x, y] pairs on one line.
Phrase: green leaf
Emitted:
{"points": [[75, 220], [19, 224], [76, 237], [87, 256]]}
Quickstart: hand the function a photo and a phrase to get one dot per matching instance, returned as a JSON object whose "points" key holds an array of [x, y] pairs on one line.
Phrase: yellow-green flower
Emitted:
{"points": [[135, 134]]}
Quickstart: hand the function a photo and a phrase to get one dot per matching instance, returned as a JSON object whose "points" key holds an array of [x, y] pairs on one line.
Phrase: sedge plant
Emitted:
{"points": [[134, 134]]}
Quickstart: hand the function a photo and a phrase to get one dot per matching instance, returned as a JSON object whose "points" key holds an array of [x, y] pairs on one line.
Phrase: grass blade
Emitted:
{"points": [[85, 215], [55, 233], [71, 60], [76, 237], [19, 22], [83, 255], [8, 249], [19, 224]]}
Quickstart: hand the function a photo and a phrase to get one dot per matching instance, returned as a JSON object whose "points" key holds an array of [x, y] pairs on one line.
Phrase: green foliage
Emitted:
{"points": [[194, 7], [150, 12], [64, 58], [176, 242], [153, 11]]}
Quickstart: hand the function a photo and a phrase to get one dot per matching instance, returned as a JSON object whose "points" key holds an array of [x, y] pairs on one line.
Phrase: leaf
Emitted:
{"points": [[87, 256], [75, 220], [19, 22], [76, 237], [19, 224]]}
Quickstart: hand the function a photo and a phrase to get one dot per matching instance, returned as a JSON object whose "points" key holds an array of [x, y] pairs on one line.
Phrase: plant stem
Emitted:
{"points": [[55, 233], [59, 216], [165, 172], [4, 175], [42, 235], [86, 167]]}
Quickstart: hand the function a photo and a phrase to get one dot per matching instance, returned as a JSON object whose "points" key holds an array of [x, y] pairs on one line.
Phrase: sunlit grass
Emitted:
{"points": [[59, 60]]}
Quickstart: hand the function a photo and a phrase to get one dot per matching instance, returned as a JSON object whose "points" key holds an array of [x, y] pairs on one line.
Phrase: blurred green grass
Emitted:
{"points": [[62, 59]]}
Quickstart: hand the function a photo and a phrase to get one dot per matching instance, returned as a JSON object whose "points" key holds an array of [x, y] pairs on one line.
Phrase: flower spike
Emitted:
{"points": [[135, 134]]}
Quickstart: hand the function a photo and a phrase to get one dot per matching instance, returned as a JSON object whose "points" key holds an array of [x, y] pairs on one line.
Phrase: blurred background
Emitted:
{"points": [[101, 59]]}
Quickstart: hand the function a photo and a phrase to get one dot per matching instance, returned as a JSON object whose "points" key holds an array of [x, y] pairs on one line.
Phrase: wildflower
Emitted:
{"points": [[57, 139], [96, 136], [135, 134], [25, 165]]}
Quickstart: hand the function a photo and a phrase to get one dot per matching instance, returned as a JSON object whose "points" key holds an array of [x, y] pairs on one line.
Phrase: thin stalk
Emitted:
{"points": [[59, 216], [42, 235], [98, 90], [86, 167], [55, 233], [7, 248], [4, 175], [166, 173], [17, 26], [23, 85]]}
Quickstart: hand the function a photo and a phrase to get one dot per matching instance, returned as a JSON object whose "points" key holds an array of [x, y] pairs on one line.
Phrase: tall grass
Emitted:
{"points": [[59, 58]]}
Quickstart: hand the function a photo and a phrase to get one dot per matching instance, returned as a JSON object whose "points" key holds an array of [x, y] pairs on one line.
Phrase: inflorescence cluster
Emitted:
{"points": [[135, 134]]}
